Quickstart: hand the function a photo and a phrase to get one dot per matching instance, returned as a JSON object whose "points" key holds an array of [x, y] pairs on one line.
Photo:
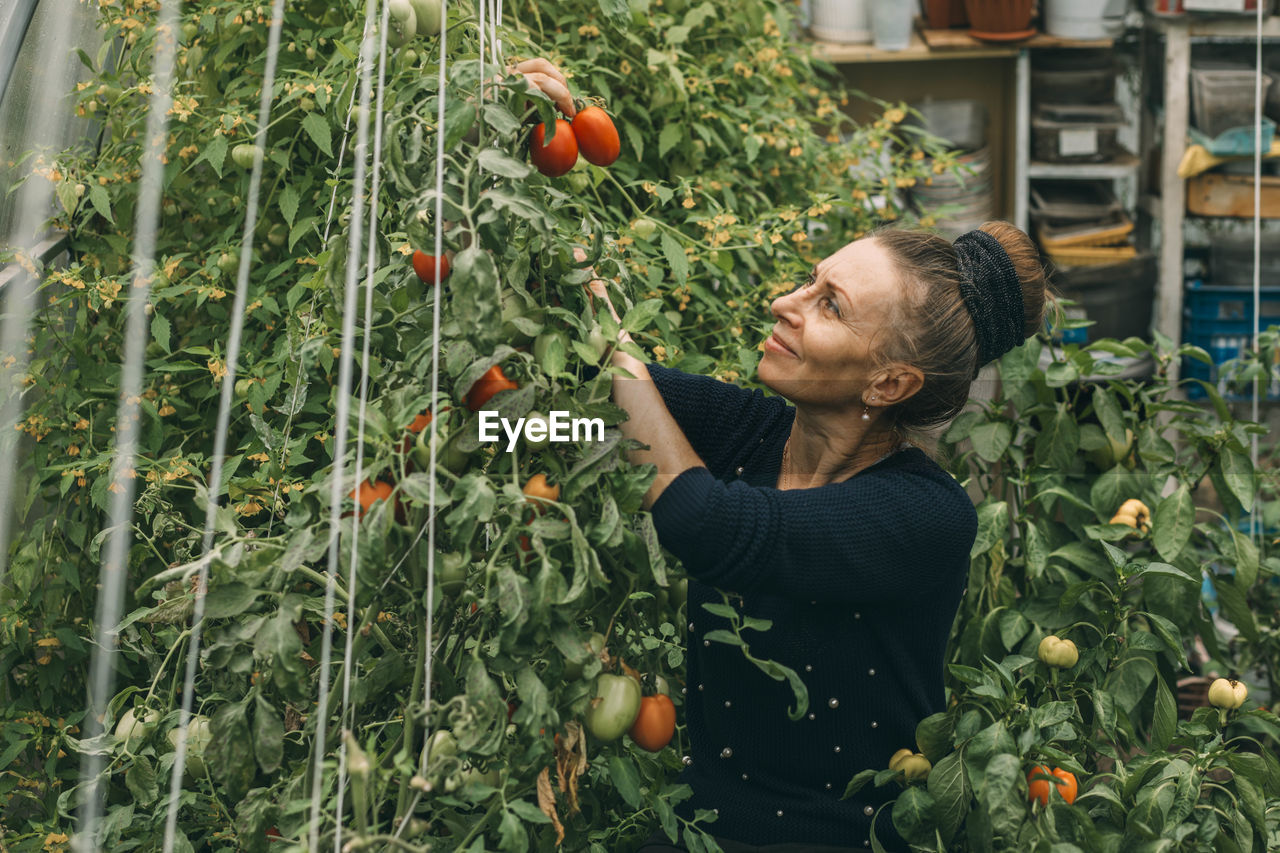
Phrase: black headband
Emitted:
{"points": [[992, 293]]}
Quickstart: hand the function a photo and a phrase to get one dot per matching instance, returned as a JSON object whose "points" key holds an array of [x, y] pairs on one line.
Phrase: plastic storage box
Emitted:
{"points": [[1117, 297], [1222, 98], [1075, 133], [1219, 320]]}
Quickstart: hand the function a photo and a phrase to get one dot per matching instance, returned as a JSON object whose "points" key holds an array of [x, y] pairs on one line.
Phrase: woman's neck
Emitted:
{"points": [[829, 450]]}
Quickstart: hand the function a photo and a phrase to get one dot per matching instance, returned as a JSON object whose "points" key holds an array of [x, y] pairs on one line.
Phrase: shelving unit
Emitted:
{"points": [[1169, 206]]}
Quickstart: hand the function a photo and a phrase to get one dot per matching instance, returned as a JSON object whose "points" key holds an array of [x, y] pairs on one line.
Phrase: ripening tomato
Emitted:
{"points": [[1038, 788], [431, 268], [370, 493], [493, 381], [557, 157], [537, 489], [420, 422], [655, 724], [597, 137]]}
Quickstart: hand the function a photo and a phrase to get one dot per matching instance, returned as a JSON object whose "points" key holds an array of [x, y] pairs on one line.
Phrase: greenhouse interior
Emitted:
{"points": [[384, 346]]}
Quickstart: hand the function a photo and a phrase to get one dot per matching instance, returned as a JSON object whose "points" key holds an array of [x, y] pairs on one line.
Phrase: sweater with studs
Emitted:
{"points": [[861, 581]]}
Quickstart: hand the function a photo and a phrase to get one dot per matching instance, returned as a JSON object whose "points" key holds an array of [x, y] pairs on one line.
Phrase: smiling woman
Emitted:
{"points": [[819, 511]]}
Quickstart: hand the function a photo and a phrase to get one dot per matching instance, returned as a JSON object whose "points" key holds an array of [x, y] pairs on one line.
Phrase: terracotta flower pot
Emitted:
{"points": [[999, 16], [944, 14]]}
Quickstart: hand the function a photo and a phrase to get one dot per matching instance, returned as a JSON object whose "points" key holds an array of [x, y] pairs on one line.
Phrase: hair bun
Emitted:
{"points": [[992, 292]]}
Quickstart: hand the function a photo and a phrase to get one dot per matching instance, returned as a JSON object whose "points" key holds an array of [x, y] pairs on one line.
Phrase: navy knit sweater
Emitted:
{"points": [[861, 580]]}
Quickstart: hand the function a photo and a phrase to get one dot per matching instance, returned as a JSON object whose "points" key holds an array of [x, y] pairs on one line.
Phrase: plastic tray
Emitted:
{"points": [[1073, 201], [1091, 255], [1107, 232]]}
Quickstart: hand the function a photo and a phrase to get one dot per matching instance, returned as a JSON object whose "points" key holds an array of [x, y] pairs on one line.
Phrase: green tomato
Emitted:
{"points": [[660, 684], [189, 31], [675, 318], [545, 441], [134, 727], [402, 25], [598, 342], [516, 305], [644, 228], [242, 387], [229, 262], [578, 180], [451, 572], [448, 454], [428, 16], [1057, 652], [550, 351], [594, 646], [198, 739], [243, 155], [409, 57], [614, 707]]}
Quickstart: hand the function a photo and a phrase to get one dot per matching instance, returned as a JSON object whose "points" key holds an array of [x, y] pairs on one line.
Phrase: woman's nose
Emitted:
{"points": [[787, 307]]}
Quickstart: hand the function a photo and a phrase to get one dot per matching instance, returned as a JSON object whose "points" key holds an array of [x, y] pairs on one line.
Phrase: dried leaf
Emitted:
{"points": [[547, 802], [628, 670], [571, 762]]}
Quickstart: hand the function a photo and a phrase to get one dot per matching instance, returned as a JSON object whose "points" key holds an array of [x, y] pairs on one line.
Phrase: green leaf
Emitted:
{"points": [[858, 782], [499, 163], [616, 10], [991, 439], [933, 736], [229, 599], [289, 204], [639, 317], [1246, 561], [101, 201], [141, 781], [1235, 607], [950, 790], [913, 813], [670, 137], [1172, 523], [160, 330], [230, 751], [1237, 471], [268, 736], [214, 152], [622, 773], [722, 636], [318, 129], [1108, 412], [676, 258], [1164, 720]]}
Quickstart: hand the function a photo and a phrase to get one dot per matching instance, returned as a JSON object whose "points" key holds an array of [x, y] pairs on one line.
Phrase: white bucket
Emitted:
{"points": [[1084, 19], [891, 23], [844, 21]]}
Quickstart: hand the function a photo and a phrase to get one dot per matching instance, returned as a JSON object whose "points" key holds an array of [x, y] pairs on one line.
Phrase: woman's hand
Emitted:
{"points": [[545, 77]]}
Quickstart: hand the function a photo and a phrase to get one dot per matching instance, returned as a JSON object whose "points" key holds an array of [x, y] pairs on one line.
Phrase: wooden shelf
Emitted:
{"points": [[1243, 26], [1121, 167], [927, 44]]}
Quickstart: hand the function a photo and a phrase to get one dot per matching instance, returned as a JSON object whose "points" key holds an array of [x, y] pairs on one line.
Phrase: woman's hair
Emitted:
{"points": [[934, 331]]}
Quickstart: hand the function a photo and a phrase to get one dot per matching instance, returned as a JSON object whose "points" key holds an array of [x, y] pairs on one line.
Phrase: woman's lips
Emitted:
{"points": [[776, 345]]}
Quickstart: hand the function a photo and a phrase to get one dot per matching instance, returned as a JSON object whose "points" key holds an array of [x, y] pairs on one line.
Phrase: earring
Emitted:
{"points": [[866, 413]]}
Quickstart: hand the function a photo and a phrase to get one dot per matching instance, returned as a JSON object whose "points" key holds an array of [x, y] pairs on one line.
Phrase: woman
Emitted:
{"points": [[826, 518]]}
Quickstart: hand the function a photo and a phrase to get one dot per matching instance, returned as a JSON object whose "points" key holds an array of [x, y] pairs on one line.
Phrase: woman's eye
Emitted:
{"points": [[831, 304]]}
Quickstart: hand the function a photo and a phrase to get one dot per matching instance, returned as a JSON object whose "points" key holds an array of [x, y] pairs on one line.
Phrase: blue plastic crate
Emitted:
{"points": [[1219, 320]]}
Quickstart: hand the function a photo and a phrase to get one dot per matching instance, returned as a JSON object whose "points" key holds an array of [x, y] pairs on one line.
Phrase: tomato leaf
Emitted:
{"points": [[499, 163], [318, 129], [622, 773], [230, 750], [289, 204], [268, 736], [230, 599], [141, 781]]}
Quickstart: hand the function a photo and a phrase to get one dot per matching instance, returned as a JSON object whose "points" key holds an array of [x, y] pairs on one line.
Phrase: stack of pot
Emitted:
{"points": [[958, 203]]}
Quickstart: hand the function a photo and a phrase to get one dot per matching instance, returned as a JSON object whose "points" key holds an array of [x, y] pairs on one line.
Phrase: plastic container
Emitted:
{"points": [[961, 122], [1117, 297], [1222, 97], [1075, 133], [1073, 201], [891, 22], [1219, 320], [1055, 87], [1084, 19], [1231, 261], [841, 21]]}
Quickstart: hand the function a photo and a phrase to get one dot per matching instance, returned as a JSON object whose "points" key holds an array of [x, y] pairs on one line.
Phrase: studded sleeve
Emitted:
{"points": [[716, 417], [885, 535]]}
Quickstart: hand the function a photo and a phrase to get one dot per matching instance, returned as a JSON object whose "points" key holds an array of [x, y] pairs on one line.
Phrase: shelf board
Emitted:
{"points": [[1123, 166], [1244, 26], [927, 44]]}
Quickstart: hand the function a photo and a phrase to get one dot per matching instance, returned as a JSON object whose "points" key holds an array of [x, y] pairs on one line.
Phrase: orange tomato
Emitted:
{"points": [[370, 491], [557, 157], [431, 268], [420, 422], [1064, 781], [537, 489], [655, 724], [493, 381], [597, 137]]}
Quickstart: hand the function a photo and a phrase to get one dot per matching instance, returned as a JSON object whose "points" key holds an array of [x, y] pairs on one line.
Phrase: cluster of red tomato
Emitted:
{"points": [[591, 134]]}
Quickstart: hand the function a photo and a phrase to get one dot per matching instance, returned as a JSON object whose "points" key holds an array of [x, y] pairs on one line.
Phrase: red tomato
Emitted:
{"points": [[557, 157], [430, 268], [597, 137], [370, 492], [1065, 781], [420, 422], [655, 724], [493, 381]]}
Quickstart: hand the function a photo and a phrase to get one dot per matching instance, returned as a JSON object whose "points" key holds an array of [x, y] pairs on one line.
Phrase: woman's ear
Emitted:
{"points": [[897, 384]]}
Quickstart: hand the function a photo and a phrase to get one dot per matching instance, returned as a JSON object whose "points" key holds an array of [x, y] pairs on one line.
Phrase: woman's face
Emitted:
{"points": [[821, 347]]}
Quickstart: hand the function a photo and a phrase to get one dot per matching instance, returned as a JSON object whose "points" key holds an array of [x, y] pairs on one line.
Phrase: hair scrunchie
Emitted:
{"points": [[991, 291]]}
